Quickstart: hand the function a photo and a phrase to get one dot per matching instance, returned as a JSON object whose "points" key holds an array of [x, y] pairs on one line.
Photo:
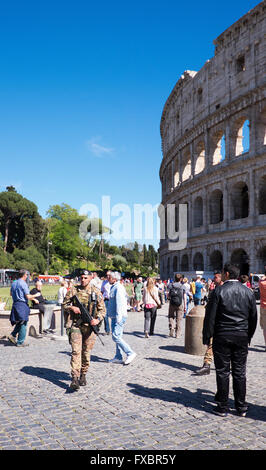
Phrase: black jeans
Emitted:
{"points": [[230, 350], [149, 319]]}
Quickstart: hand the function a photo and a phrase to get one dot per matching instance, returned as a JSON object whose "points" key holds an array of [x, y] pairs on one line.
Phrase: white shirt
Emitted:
{"points": [[61, 294], [96, 281]]}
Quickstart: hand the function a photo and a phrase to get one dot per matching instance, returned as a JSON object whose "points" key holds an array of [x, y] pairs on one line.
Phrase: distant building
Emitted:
{"points": [[214, 154]]}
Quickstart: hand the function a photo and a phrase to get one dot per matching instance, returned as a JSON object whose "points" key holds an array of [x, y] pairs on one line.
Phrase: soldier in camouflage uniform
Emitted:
{"points": [[81, 336]]}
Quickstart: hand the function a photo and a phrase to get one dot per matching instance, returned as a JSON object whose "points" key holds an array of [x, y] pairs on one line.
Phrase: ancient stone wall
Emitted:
{"points": [[214, 154]]}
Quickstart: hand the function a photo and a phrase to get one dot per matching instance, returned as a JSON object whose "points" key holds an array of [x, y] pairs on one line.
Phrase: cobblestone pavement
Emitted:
{"points": [[154, 403]]}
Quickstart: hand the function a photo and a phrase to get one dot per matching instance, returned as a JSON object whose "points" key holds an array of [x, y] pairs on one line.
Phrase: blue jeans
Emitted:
{"points": [[197, 300], [21, 330], [187, 304], [117, 333]]}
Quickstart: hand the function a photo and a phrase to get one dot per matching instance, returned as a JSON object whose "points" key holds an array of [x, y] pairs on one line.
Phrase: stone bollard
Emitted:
{"points": [[193, 331]]}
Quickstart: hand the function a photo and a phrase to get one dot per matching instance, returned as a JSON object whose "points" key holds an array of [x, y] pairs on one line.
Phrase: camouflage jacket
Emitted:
{"points": [[83, 295]]}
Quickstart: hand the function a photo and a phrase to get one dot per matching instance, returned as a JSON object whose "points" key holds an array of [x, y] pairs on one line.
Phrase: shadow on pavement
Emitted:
{"points": [[140, 334], [175, 348], [5, 342], [198, 400], [99, 359], [54, 376], [175, 364]]}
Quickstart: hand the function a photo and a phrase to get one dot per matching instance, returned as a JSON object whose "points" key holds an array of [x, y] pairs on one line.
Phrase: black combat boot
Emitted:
{"points": [[82, 380], [74, 384], [205, 370]]}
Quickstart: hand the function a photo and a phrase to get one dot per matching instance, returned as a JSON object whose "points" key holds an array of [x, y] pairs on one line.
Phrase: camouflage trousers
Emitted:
{"points": [[208, 358], [82, 340]]}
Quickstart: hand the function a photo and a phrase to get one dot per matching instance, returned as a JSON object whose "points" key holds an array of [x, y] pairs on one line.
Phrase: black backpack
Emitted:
{"points": [[176, 295]]}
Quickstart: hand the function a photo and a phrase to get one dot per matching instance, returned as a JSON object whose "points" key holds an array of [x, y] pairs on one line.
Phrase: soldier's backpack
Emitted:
{"points": [[176, 295]]}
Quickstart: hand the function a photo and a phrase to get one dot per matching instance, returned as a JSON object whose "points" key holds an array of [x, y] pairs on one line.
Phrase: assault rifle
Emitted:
{"points": [[86, 317]]}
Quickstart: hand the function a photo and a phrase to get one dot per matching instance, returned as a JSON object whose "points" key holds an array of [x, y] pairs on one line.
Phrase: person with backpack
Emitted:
{"points": [[176, 296]]}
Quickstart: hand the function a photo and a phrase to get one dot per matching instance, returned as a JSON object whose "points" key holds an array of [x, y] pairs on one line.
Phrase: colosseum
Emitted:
{"points": [[214, 155]]}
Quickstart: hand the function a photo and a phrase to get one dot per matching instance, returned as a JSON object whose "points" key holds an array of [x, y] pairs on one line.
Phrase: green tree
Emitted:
{"points": [[17, 215], [30, 259], [119, 262], [145, 256], [152, 256], [65, 244], [93, 230]]}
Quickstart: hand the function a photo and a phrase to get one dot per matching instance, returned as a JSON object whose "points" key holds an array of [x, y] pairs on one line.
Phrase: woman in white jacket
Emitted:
{"points": [[151, 301]]}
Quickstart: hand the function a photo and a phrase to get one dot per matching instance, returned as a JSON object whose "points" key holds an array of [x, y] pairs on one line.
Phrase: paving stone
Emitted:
{"points": [[154, 403]]}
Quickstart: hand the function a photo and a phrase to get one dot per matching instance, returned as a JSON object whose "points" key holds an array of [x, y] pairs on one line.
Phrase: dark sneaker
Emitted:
{"points": [[205, 370], [82, 380], [241, 413], [74, 384], [219, 412], [22, 345]]}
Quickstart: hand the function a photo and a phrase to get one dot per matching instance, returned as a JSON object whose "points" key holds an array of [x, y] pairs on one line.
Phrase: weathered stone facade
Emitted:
{"points": [[208, 161]]}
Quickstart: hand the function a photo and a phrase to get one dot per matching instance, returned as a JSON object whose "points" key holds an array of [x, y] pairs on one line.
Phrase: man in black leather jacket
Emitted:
{"points": [[231, 319]]}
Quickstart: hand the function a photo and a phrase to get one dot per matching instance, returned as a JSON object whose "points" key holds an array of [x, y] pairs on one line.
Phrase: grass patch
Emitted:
{"points": [[48, 291]]}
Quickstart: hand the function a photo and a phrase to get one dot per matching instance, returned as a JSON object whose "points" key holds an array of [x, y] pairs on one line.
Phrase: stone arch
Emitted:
{"points": [[240, 258], [216, 260], [186, 173], [200, 158], [261, 257], [198, 212], [239, 201], [198, 262], [262, 195], [184, 263], [216, 206], [218, 154], [241, 136]]}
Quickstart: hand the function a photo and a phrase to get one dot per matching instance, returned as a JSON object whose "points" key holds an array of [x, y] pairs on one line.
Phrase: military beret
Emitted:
{"points": [[86, 273]]}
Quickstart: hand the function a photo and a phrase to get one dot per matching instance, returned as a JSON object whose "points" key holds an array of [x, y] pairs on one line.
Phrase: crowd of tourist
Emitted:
{"points": [[229, 323]]}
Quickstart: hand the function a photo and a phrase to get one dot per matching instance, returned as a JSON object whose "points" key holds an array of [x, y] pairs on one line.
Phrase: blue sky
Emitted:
{"points": [[82, 88]]}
